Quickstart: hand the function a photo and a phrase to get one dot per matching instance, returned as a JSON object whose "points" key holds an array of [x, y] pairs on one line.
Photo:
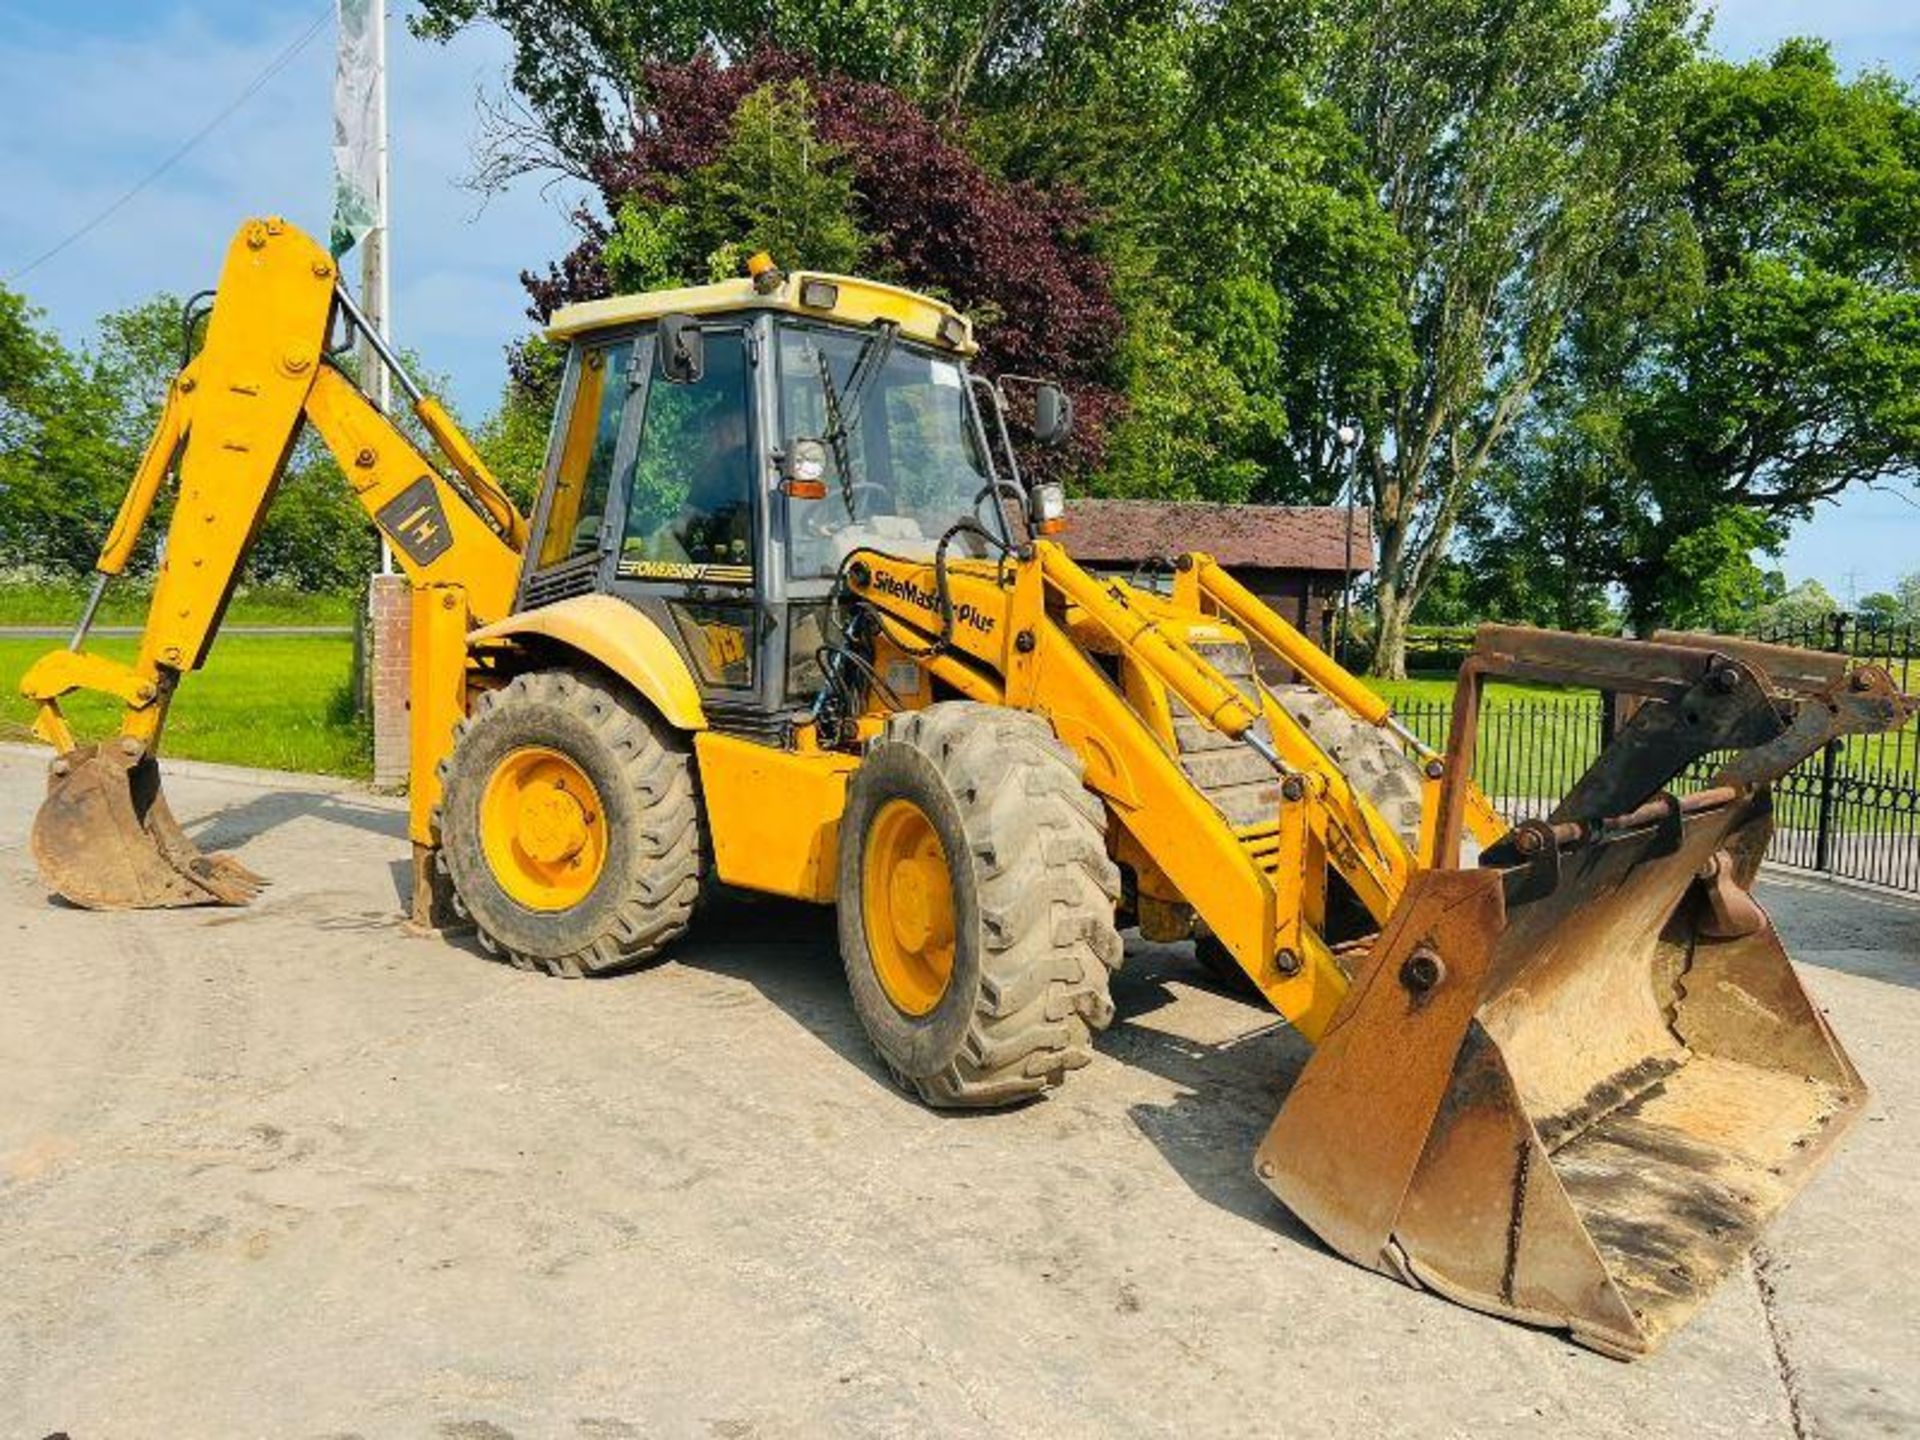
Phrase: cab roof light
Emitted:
{"points": [[767, 277], [818, 294], [953, 332]]}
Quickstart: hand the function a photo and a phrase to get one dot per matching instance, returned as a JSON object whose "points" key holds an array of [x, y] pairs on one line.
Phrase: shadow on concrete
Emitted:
{"points": [[1839, 927], [1229, 1091], [790, 953], [400, 872], [235, 825]]}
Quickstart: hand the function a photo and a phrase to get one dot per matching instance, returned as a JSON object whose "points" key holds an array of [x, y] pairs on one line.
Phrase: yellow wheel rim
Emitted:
{"points": [[543, 829], [907, 898]]}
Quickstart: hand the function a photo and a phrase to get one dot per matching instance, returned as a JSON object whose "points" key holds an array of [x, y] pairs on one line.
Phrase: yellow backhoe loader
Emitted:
{"points": [[787, 616]]}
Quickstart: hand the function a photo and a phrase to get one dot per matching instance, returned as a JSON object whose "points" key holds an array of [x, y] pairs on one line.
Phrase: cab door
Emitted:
{"points": [[688, 516], [570, 539]]}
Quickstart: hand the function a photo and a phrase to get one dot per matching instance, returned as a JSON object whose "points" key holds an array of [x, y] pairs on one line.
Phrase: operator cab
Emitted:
{"points": [[719, 451]]}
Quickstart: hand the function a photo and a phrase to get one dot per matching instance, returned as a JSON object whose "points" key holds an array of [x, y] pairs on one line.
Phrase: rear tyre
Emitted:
{"points": [[570, 826], [1367, 755], [976, 905]]}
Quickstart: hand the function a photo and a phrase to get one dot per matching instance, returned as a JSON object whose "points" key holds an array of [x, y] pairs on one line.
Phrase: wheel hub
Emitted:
{"points": [[909, 916], [544, 829]]}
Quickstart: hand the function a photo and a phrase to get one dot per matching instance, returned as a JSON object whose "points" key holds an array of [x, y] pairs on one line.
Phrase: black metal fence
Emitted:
{"points": [[1852, 811]]}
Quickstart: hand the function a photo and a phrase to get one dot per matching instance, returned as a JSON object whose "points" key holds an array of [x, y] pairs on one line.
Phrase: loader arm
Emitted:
{"points": [[1260, 889], [230, 421]]}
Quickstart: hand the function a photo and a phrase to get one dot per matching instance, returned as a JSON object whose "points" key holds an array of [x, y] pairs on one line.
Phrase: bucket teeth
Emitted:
{"points": [[105, 839]]}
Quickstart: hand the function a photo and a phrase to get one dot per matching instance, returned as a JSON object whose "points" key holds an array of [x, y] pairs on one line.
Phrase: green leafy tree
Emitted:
{"points": [[773, 186], [1542, 541], [73, 425], [1255, 273], [1519, 149], [66, 448], [578, 65], [1789, 369], [1797, 609], [1900, 607]]}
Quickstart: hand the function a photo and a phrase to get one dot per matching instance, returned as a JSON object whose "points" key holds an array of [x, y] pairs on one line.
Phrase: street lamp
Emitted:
{"points": [[1349, 437]]}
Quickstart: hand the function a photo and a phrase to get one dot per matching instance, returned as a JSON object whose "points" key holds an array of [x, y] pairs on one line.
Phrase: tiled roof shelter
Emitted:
{"points": [[1293, 556], [1266, 537]]}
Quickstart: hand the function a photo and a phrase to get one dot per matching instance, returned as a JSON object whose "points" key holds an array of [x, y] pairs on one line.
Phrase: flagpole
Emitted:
{"points": [[375, 290]]}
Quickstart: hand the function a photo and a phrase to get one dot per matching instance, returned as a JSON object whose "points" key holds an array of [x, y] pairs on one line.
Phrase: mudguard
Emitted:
{"points": [[615, 635]]}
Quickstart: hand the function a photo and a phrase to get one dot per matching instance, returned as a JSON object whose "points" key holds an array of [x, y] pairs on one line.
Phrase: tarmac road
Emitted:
{"points": [[287, 1172]]}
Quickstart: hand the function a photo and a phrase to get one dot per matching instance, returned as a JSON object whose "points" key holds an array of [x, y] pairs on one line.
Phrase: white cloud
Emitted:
{"points": [[87, 114]]}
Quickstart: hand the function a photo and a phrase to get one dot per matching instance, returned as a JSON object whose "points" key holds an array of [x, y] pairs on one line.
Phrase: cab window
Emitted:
{"points": [[579, 500], [907, 465], [690, 503]]}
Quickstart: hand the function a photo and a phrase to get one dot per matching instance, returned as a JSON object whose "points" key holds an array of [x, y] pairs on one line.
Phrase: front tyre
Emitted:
{"points": [[569, 825], [976, 905]]}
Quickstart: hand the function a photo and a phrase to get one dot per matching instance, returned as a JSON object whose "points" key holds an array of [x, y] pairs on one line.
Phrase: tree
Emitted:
{"points": [[1901, 607], [1789, 368], [73, 425], [1014, 255], [581, 68], [1254, 271], [1519, 150], [1542, 540], [1797, 610], [773, 185], [65, 423]]}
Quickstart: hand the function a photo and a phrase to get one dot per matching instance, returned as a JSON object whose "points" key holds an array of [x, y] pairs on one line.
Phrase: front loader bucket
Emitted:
{"points": [[105, 839], [1572, 1086]]}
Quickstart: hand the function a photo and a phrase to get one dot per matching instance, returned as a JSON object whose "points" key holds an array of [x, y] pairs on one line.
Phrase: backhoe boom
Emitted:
{"points": [[229, 423]]}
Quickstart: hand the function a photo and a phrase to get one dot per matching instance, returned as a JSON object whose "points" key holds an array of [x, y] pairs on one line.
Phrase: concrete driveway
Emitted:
{"points": [[286, 1172]]}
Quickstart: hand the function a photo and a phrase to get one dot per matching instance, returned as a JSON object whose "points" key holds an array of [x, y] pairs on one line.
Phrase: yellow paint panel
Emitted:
{"points": [[437, 699], [860, 302], [619, 637], [774, 815]]}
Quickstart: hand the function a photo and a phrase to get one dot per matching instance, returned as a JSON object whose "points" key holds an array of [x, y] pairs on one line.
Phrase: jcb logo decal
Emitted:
{"points": [[415, 521]]}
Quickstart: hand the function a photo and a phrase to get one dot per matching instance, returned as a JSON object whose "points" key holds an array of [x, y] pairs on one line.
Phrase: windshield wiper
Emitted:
{"points": [[843, 410]]}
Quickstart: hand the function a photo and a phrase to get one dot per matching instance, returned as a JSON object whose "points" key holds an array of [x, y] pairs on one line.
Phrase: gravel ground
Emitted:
{"points": [[286, 1171]]}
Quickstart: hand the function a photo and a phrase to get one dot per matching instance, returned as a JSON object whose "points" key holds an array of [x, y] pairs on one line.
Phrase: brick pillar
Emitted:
{"points": [[389, 670]]}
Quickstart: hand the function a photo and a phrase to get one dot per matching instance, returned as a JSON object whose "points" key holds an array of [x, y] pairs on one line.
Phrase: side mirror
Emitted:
{"points": [[1052, 415], [683, 349]]}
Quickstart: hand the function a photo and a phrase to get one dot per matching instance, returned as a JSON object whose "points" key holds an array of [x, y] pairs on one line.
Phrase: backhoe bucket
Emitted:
{"points": [[1571, 1086], [105, 839]]}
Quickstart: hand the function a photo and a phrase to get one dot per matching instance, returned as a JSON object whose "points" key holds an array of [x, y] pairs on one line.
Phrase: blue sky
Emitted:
{"points": [[97, 92]]}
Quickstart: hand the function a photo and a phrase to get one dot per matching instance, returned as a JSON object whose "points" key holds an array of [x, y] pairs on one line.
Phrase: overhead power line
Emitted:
{"points": [[180, 152]]}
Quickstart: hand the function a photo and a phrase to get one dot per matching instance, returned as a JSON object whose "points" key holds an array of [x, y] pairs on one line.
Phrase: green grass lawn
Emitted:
{"points": [[1438, 690], [1537, 740], [59, 603], [280, 701]]}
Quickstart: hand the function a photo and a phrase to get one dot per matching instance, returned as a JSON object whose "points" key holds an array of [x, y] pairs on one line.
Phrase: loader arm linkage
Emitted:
{"points": [[105, 837], [1569, 1084], [1262, 891]]}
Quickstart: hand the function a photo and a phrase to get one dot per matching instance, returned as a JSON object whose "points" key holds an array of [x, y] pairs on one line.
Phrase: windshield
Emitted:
{"points": [[910, 466]]}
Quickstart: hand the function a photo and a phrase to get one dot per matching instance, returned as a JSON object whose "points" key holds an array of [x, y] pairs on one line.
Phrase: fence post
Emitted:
{"points": [[1829, 765]]}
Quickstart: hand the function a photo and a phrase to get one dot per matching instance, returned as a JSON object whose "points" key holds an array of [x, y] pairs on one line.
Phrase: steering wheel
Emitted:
{"points": [[819, 524]]}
